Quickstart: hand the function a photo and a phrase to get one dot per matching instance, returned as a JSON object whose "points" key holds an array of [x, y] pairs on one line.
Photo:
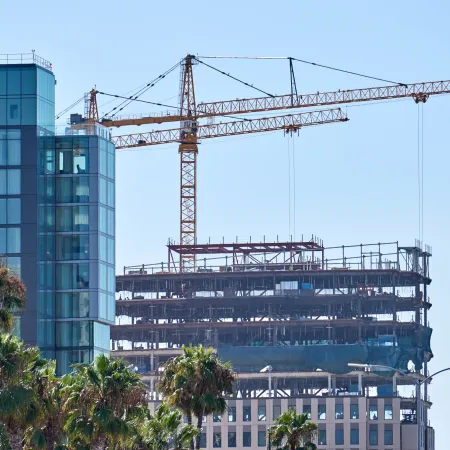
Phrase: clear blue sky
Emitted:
{"points": [[356, 181]]}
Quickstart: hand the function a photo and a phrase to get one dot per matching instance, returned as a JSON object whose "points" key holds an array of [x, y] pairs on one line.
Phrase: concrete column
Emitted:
{"points": [[394, 383], [329, 384], [360, 383]]}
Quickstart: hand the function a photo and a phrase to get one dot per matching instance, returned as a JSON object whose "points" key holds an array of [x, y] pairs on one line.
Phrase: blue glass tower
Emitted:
{"points": [[57, 216]]}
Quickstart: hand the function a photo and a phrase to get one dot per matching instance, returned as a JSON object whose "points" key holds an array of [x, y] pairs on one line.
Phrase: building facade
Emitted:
{"points": [[57, 216]]}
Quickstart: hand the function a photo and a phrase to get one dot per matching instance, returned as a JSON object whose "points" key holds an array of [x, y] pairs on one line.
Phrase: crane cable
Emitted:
{"points": [[420, 168], [348, 71], [289, 189], [58, 116], [234, 78], [163, 105], [141, 91]]}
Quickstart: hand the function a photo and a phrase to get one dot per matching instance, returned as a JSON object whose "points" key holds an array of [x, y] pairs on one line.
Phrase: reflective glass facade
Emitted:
{"points": [[57, 220]]}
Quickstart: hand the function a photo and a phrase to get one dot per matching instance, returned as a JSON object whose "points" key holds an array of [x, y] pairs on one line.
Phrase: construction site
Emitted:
{"points": [[338, 332]]}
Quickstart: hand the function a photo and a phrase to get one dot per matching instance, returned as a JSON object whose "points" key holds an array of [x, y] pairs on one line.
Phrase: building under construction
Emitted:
{"points": [[291, 317]]}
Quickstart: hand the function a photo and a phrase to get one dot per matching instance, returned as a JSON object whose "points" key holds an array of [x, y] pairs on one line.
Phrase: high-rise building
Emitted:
{"points": [[57, 215]]}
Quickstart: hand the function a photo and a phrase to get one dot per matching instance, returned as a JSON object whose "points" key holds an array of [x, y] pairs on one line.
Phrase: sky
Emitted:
{"points": [[356, 182]]}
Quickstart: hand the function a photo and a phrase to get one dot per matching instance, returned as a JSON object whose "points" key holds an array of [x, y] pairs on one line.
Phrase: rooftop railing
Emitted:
{"points": [[25, 58]]}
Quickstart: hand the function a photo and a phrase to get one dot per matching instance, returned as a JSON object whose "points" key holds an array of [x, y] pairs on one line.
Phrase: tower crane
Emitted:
{"points": [[190, 132]]}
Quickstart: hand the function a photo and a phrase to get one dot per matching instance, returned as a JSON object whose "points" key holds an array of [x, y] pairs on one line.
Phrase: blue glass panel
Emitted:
{"points": [[13, 110], [14, 152], [3, 241], [3, 216], [13, 240], [13, 81], [14, 210], [28, 81], [103, 192], [111, 222], [29, 111], [2, 81], [2, 182], [13, 186], [103, 277], [101, 336], [2, 111]]}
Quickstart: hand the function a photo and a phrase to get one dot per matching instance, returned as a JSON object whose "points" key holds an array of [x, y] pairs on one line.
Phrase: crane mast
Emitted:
{"points": [[188, 151]]}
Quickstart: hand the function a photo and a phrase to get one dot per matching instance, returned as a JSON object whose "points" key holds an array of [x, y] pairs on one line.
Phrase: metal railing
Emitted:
{"points": [[25, 58]]}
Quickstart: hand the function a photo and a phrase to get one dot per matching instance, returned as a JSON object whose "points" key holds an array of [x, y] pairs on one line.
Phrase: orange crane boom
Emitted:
{"points": [[417, 91], [289, 123]]}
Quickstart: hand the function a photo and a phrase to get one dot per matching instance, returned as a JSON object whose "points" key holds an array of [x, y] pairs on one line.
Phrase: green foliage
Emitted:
{"points": [[12, 298], [164, 431], [102, 402], [197, 382], [293, 431]]}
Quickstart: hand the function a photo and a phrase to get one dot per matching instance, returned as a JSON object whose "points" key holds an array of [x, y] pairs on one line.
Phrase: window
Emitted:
{"points": [[72, 189], [373, 412], [276, 411], [9, 149], [387, 412], [9, 240], [339, 411], [322, 412], [307, 410], [247, 413], [72, 155], [72, 218], [9, 211], [354, 411], [232, 414], [9, 181], [261, 438], [74, 334], [231, 439], [373, 435], [72, 276], [354, 436], [247, 439], [261, 413], [217, 439], [322, 436], [202, 440], [339, 436], [388, 437], [217, 418], [73, 247], [72, 305]]}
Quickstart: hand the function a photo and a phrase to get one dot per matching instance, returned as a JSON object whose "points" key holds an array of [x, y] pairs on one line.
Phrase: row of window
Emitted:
{"points": [[107, 157], [232, 439], [321, 412], [339, 437], [84, 333], [73, 247]]}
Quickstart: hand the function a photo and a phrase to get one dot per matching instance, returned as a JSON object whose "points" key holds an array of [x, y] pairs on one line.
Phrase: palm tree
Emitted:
{"points": [[164, 431], [102, 402], [17, 396], [47, 432], [197, 382], [12, 298], [293, 431]]}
